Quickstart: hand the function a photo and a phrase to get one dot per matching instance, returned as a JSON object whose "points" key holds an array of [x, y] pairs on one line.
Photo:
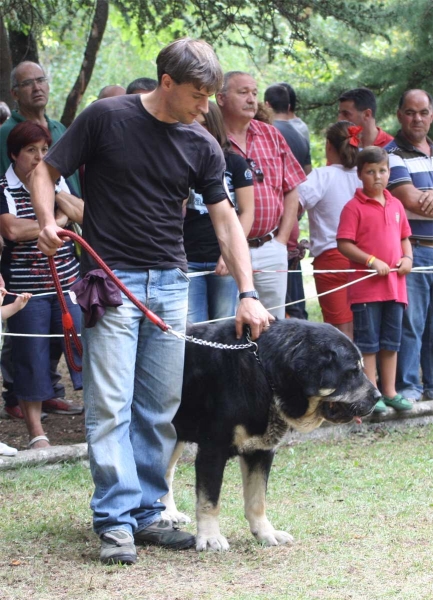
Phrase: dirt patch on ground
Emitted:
{"points": [[61, 429]]}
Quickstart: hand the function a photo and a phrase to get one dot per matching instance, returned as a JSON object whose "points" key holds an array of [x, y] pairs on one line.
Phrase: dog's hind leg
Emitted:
{"points": [[171, 511], [255, 467], [209, 465]]}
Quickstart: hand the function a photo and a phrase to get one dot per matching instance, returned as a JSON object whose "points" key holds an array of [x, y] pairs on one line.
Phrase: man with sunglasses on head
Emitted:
{"points": [[276, 175]]}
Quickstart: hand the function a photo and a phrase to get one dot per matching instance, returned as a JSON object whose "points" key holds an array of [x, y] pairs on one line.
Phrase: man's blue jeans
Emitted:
{"points": [[210, 296], [417, 338], [132, 374]]}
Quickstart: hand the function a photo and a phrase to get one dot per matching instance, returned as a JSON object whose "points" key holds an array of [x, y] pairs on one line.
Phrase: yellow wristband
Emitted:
{"points": [[370, 260]]}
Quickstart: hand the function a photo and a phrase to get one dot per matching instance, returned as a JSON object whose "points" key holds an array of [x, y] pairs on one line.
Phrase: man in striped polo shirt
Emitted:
{"points": [[411, 181]]}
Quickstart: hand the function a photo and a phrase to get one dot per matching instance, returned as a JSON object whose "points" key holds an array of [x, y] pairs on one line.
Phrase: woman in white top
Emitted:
{"points": [[324, 195]]}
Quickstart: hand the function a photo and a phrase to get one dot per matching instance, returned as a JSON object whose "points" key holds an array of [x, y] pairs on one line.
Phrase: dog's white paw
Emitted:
{"points": [[274, 538], [216, 543], [175, 516]]}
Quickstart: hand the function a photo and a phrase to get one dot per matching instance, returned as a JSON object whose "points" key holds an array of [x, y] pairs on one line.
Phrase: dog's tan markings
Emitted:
{"points": [[171, 511], [275, 431], [311, 419], [326, 391], [254, 488], [208, 530], [278, 424]]}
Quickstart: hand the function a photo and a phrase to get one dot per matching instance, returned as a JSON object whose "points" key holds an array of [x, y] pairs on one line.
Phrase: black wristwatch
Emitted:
{"points": [[253, 294]]}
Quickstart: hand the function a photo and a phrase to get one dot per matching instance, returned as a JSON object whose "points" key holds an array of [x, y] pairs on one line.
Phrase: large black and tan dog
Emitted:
{"points": [[233, 404]]}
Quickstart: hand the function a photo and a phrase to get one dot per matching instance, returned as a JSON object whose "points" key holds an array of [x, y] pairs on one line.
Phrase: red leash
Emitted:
{"points": [[67, 321], [69, 330]]}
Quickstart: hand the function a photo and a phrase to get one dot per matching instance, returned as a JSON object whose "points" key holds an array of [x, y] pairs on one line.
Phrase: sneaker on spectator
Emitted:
{"points": [[117, 547], [411, 394], [15, 412], [380, 406], [6, 450], [61, 407], [398, 403], [428, 395]]}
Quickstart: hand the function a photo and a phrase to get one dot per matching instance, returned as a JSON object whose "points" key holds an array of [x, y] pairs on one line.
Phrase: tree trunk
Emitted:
{"points": [[93, 43], [22, 47], [5, 66]]}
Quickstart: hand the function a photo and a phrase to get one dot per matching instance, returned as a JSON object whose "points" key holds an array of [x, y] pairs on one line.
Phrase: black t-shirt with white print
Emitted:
{"points": [[201, 244]]}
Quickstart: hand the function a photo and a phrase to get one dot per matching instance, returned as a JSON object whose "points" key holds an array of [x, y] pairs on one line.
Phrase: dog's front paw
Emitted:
{"points": [[216, 543], [175, 516], [274, 538]]}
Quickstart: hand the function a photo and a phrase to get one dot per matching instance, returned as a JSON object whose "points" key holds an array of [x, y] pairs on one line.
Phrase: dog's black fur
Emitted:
{"points": [[233, 404]]}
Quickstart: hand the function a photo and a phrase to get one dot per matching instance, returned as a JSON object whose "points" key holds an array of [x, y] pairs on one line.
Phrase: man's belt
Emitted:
{"points": [[257, 242], [419, 242]]}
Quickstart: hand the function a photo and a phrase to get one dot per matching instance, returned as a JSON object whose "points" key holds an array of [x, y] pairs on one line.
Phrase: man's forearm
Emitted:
{"points": [[417, 201], [41, 184], [72, 206], [290, 215]]}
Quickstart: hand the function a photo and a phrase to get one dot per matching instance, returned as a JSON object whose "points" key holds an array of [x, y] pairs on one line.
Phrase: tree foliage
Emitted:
{"points": [[322, 47], [387, 65], [239, 22]]}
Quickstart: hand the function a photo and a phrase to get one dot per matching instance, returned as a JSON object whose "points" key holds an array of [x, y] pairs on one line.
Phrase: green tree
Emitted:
{"points": [[275, 25], [398, 60]]}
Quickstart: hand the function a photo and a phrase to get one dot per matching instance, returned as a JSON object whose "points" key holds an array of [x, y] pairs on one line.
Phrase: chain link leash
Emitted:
{"points": [[218, 345]]}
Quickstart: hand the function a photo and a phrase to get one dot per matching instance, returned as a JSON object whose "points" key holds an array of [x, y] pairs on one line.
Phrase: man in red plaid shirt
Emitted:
{"points": [[276, 175]]}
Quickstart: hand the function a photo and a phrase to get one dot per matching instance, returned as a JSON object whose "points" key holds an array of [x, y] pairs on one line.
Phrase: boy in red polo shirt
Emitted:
{"points": [[373, 233]]}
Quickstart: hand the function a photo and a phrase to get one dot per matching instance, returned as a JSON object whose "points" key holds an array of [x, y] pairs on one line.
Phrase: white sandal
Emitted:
{"points": [[38, 438]]}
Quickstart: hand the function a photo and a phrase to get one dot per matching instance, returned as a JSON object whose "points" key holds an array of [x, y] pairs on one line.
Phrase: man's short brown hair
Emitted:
{"points": [[190, 61]]}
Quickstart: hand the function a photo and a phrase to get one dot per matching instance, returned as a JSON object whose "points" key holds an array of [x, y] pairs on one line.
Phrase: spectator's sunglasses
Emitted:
{"points": [[256, 170]]}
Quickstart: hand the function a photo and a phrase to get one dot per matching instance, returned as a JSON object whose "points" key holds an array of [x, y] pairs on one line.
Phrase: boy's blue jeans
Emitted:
{"points": [[132, 374]]}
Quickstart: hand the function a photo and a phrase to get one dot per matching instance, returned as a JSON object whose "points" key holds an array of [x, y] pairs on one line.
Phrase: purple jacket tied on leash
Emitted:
{"points": [[94, 293]]}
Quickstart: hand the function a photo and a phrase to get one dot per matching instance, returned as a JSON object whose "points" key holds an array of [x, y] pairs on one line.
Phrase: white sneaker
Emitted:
{"points": [[6, 450]]}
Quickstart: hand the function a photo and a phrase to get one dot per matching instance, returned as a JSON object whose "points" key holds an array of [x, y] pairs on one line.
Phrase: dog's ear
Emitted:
{"points": [[329, 372], [321, 372]]}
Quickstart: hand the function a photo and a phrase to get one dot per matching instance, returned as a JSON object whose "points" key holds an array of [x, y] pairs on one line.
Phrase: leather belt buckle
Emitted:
{"points": [[258, 242]]}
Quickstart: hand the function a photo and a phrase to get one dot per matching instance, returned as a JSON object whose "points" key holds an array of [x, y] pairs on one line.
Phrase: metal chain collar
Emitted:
{"points": [[218, 345], [190, 338], [251, 344]]}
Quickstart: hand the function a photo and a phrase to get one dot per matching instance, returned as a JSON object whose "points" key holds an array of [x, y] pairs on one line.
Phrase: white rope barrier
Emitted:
{"points": [[371, 273]]}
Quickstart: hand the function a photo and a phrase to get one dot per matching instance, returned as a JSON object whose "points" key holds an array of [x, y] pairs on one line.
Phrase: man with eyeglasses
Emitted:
{"points": [[276, 174], [30, 90]]}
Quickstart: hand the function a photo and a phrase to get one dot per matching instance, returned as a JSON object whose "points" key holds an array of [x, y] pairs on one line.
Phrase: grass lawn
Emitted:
{"points": [[361, 512]]}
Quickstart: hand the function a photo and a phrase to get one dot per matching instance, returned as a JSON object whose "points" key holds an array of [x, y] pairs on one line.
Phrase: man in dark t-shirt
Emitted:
{"points": [[142, 154], [278, 100]]}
